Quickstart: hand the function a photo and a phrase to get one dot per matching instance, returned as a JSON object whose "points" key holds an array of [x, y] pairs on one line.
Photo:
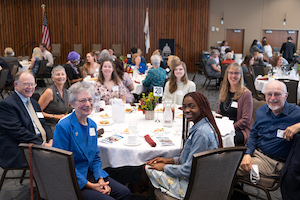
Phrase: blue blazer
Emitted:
{"points": [[16, 127], [68, 136]]}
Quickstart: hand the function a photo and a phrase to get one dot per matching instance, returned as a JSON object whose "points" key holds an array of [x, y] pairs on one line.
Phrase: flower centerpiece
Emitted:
{"points": [[147, 105]]}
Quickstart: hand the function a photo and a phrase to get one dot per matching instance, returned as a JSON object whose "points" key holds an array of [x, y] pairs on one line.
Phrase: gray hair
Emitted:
{"points": [[18, 75], [155, 60], [214, 51], [57, 68], [104, 55], [77, 88], [229, 55]]}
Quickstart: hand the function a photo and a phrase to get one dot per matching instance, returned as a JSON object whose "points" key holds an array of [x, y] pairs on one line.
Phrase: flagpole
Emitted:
{"points": [[43, 6]]}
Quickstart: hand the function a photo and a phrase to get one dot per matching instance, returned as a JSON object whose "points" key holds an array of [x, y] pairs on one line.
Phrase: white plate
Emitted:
{"points": [[107, 117], [130, 144], [110, 123]]}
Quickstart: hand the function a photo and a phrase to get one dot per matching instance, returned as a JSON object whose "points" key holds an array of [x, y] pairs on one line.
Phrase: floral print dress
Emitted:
{"points": [[117, 91]]}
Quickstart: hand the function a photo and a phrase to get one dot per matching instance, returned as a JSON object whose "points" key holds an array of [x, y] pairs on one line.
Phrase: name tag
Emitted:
{"points": [[179, 92], [39, 115], [280, 133], [115, 88], [92, 132], [234, 104]]}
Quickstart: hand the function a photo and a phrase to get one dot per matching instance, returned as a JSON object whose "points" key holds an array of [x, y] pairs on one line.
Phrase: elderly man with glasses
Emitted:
{"points": [[21, 121], [268, 146]]}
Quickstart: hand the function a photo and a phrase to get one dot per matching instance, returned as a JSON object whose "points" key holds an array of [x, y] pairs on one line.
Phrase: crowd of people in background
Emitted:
{"points": [[113, 80]]}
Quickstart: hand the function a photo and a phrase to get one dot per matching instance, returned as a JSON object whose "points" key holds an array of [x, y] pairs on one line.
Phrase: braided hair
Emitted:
{"points": [[205, 111]]}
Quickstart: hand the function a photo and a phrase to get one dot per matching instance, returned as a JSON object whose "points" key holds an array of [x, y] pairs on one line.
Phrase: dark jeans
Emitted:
{"points": [[118, 191]]}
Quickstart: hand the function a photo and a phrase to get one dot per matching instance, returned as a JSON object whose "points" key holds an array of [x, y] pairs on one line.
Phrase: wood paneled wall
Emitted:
{"points": [[107, 22]]}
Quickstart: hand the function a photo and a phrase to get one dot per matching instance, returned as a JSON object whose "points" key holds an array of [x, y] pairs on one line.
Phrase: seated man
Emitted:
{"points": [[21, 120], [71, 68], [266, 146], [212, 68], [46, 54], [9, 79]]}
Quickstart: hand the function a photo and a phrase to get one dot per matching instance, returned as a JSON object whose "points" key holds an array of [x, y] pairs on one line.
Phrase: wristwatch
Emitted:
{"points": [[52, 116]]}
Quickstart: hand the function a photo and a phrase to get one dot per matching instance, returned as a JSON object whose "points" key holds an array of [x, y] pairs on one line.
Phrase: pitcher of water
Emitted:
{"points": [[118, 111], [168, 115]]}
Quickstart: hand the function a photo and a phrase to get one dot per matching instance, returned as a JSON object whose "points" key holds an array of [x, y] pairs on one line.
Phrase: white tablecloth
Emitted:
{"points": [[261, 85], [25, 66], [118, 154]]}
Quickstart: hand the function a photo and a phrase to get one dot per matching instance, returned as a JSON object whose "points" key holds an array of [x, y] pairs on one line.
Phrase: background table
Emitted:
{"points": [[118, 154]]}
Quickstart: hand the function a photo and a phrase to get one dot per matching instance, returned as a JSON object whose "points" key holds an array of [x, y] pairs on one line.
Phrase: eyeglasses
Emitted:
{"points": [[83, 101], [276, 94], [28, 84], [233, 73]]}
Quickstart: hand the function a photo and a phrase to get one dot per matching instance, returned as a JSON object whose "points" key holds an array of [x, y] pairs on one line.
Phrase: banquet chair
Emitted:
{"points": [[117, 49], [56, 50], [212, 174], [6, 170], [209, 78], [258, 70], [13, 72], [40, 75], [78, 49], [250, 82], [223, 69], [256, 105], [11, 64], [3, 77], [97, 47], [54, 172], [292, 89]]}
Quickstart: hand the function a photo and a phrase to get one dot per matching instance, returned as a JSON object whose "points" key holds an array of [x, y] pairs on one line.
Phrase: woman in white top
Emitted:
{"points": [[267, 48], [179, 84]]}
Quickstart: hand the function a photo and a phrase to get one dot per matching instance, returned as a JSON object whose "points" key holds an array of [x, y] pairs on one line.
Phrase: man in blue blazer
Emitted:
{"points": [[16, 124]]}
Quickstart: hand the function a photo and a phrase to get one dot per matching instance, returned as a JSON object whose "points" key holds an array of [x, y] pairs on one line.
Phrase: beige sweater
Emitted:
{"points": [[182, 89]]}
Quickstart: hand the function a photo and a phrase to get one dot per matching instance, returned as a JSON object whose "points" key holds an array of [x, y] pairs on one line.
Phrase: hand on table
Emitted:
{"points": [[246, 163], [291, 131]]}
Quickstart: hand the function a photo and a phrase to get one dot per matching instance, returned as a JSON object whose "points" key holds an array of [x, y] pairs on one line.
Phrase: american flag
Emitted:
{"points": [[45, 32]]}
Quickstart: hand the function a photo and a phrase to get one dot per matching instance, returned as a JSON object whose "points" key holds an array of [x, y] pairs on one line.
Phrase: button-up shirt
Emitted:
{"points": [[263, 134]]}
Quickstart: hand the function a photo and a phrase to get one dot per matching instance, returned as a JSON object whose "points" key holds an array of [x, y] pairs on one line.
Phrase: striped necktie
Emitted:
{"points": [[36, 120]]}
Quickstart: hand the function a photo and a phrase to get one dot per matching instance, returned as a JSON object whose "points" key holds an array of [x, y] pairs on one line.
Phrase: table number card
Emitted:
{"points": [[158, 91]]}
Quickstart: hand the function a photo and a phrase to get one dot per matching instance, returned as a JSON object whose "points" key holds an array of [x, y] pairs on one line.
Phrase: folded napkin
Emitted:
{"points": [[149, 140]]}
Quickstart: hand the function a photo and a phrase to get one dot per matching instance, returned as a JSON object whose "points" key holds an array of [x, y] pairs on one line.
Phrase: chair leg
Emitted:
{"points": [[23, 175], [204, 82], [208, 84], [194, 77], [2, 178]]}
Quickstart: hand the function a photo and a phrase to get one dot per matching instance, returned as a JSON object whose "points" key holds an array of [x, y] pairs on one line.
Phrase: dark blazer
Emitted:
{"points": [[290, 175], [287, 50], [16, 127]]}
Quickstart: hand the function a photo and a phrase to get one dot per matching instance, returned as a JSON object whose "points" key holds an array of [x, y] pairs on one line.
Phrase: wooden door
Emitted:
{"points": [[276, 38], [235, 39]]}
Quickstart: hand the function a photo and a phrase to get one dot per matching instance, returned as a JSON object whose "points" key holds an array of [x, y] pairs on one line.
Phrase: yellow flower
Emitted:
{"points": [[180, 191]]}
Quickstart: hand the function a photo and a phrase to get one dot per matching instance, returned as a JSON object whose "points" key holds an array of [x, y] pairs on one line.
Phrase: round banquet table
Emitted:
{"points": [[261, 84], [119, 153]]}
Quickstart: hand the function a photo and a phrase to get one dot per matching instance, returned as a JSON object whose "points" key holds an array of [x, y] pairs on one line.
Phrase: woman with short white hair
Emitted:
{"points": [[156, 76]]}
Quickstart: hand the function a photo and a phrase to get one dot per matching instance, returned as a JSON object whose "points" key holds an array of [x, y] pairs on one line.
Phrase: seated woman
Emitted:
{"points": [[156, 75], [172, 175], [109, 84], [71, 67], [172, 60], [93, 181], [162, 60], [126, 80], [212, 67], [90, 67], [54, 101], [223, 47], [37, 56], [254, 47], [136, 62], [179, 84], [235, 102], [278, 61], [228, 59]]}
